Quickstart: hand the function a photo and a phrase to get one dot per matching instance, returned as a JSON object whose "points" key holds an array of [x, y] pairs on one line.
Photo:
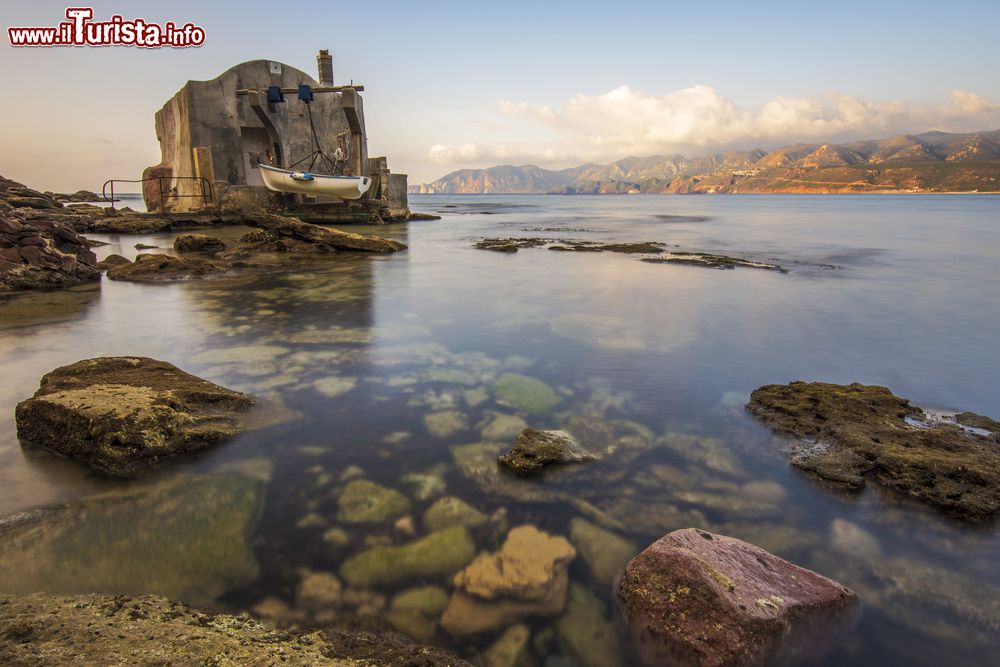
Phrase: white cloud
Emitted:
{"points": [[698, 120]]}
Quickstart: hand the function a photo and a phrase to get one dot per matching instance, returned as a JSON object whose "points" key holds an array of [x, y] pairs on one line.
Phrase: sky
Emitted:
{"points": [[452, 85]]}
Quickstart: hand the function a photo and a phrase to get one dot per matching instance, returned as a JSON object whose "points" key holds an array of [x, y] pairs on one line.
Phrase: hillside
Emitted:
{"points": [[929, 162]]}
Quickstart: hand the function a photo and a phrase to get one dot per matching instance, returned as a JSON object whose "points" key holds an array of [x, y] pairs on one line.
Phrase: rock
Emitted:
{"points": [[508, 650], [318, 592], [586, 634], [853, 431], [21, 196], [497, 426], [523, 569], [293, 228], [445, 424], [186, 538], [43, 255], [156, 268], [451, 511], [145, 246], [534, 450], [198, 243], [694, 598], [604, 552], [366, 502], [427, 484], [111, 261], [712, 261], [275, 609], [467, 615], [451, 376], [978, 421], [436, 555], [477, 462], [414, 612], [334, 386], [524, 392], [851, 539], [125, 414], [48, 630], [78, 196]]}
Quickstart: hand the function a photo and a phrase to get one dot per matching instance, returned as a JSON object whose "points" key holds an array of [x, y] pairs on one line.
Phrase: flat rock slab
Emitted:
{"points": [[159, 268], [850, 432], [125, 414], [44, 630], [695, 598], [535, 450], [284, 226]]}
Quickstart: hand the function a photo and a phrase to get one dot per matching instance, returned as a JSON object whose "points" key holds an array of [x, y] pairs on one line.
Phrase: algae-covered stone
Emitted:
{"points": [[186, 538], [334, 386], [452, 511], [318, 592], [604, 552], [585, 633], [498, 426], [445, 424], [451, 376], [124, 414], [525, 392], [436, 555], [534, 450], [366, 502], [427, 484], [509, 648], [477, 462], [850, 432], [414, 612], [49, 630]]}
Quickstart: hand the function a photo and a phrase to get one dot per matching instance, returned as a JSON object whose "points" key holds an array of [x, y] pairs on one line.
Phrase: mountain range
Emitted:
{"points": [[928, 162]]}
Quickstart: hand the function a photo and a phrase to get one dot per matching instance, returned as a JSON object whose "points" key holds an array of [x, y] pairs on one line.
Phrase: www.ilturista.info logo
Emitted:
{"points": [[79, 30]]}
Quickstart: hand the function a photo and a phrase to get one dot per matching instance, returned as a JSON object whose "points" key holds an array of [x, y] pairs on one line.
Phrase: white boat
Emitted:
{"points": [[306, 183]]}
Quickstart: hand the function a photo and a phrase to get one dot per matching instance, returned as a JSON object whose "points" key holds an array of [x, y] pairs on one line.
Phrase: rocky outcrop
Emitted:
{"points": [[535, 450], [124, 414], [43, 255], [283, 227], [198, 243], [78, 196], [527, 577], [46, 630], [157, 268], [851, 432], [694, 598], [16, 195]]}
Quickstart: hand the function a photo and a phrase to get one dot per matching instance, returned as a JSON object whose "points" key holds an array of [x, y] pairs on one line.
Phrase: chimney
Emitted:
{"points": [[324, 61]]}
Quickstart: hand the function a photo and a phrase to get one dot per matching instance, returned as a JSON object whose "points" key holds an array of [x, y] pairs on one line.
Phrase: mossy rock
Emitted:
{"points": [[451, 511], [439, 554], [604, 552], [366, 502], [525, 392], [586, 634]]}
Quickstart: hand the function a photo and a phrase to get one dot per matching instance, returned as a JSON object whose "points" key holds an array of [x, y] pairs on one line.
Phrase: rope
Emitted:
{"points": [[318, 153]]}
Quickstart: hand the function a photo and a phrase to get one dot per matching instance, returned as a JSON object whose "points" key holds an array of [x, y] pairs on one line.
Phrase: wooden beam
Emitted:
{"points": [[294, 91]]}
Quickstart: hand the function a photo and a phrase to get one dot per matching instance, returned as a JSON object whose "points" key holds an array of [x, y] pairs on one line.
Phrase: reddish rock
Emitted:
{"points": [[695, 598]]}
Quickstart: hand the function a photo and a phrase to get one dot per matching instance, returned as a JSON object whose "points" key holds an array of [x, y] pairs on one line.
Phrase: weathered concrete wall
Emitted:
{"points": [[395, 197], [209, 114]]}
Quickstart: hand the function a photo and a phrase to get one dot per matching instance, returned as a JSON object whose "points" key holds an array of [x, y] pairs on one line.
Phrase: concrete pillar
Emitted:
{"points": [[324, 62]]}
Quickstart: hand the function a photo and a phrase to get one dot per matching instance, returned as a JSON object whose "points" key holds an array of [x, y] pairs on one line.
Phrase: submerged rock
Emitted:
{"points": [[367, 502], [125, 414], [853, 431], [451, 511], [509, 648], [198, 243], [445, 424], [157, 268], [527, 577], [604, 552], [186, 538], [318, 593], [694, 598], [713, 261], [48, 630], [43, 256], [534, 450], [524, 392], [436, 555], [415, 611], [497, 426], [585, 633]]}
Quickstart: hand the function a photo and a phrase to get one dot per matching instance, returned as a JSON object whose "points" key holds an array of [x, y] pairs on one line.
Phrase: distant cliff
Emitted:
{"points": [[929, 162]]}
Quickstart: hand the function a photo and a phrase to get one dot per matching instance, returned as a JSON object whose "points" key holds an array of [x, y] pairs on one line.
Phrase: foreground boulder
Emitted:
{"points": [[853, 431], [43, 255], [292, 228], [43, 630], [157, 268], [694, 598], [124, 414], [535, 450], [198, 243]]}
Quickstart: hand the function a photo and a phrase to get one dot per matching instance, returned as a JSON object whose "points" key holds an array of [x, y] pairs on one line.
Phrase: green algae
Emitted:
{"points": [[439, 554], [525, 392]]}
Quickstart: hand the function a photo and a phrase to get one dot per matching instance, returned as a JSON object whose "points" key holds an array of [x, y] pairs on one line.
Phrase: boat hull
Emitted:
{"points": [[285, 180]]}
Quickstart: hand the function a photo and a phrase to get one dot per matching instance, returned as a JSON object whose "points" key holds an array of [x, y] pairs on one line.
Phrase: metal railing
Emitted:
{"points": [[205, 194]]}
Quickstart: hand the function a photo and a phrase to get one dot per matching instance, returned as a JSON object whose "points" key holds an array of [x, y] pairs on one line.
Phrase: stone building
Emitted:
{"points": [[220, 130]]}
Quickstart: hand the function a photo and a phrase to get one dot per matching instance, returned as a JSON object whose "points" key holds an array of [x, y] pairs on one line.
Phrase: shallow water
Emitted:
{"points": [[894, 290]]}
